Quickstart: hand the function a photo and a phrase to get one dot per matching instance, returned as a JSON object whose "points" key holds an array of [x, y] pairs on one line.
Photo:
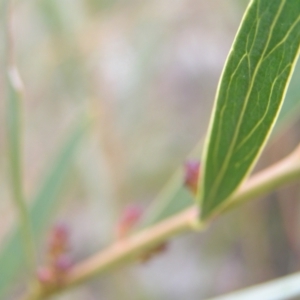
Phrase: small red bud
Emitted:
{"points": [[161, 248], [61, 230], [58, 261], [192, 171], [63, 263], [130, 217], [45, 275], [59, 240]]}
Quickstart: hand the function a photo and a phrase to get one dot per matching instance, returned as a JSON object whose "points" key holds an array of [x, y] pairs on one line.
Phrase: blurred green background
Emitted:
{"points": [[147, 72]]}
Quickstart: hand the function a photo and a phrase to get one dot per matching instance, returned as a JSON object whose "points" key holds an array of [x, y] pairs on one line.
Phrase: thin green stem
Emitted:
{"points": [[14, 138], [131, 248]]}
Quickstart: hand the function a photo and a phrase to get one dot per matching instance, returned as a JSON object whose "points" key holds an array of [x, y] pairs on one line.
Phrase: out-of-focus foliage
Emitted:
{"points": [[147, 72], [13, 254]]}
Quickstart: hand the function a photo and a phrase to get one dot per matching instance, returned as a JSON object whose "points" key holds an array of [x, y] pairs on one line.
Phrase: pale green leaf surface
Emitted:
{"points": [[284, 288], [249, 97], [14, 128], [45, 201]]}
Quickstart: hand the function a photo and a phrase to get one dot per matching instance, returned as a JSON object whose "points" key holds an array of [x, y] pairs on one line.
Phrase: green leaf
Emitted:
{"points": [[249, 97], [14, 130], [14, 134], [45, 201]]}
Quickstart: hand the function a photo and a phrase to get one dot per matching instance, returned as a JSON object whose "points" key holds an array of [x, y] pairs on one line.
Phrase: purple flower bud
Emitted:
{"points": [[130, 216], [59, 239], [192, 171], [63, 263], [45, 275]]}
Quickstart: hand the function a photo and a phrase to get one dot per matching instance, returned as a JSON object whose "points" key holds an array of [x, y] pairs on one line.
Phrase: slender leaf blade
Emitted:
{"points": [[249, 97], [14, 141]]}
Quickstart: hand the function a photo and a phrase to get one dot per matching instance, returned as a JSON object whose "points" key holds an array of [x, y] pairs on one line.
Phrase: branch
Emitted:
{"points": [[129, 249]]}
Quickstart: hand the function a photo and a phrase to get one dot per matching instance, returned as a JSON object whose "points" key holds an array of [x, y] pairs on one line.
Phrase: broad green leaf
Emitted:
{"points": [[284, 288], [44, 202], [249, 97]]}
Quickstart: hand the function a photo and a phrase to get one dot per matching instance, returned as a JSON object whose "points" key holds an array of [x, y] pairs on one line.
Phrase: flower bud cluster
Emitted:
{"points": [[58, 259]]}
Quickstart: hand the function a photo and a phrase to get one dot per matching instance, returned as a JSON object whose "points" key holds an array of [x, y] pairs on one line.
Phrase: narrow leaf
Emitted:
{"points": [[14, 112], [249, 97], [14, 141], [45, 201]]}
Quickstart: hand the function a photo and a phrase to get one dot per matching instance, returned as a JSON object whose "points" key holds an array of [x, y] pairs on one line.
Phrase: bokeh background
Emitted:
{"points": [[147, 72]]}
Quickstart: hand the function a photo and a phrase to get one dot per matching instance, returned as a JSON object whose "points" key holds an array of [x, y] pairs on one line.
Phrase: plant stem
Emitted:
{"points": [[14, 136], [131, 248], [123, 251]]}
